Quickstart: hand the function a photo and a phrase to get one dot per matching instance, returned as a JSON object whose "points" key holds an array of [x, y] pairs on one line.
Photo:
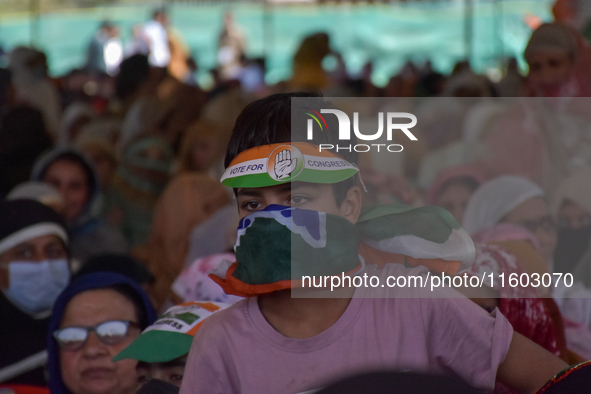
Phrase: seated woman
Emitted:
{"points": [[33, 271], [94, 318], [571, 204], [518, 201], [187, 201], [453, 187], [558, 59], [202, 148], [529, 314], [515, 200], [74, 177], [140, 179]]}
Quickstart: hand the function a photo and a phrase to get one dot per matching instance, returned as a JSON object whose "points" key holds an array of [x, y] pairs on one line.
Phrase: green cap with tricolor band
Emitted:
{"points": [[171, 335], [275, 164]]}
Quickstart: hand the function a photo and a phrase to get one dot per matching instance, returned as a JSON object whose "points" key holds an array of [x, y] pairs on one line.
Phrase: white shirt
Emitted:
{"points": [[159, 50]]}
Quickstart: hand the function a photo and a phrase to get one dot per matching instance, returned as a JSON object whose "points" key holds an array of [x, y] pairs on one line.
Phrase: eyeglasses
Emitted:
{"points": [[546, 224], [581, 221], [110, 332]]}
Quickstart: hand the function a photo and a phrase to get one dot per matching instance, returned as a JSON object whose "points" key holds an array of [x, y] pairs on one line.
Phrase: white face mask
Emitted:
{"points": [[34, 286]]}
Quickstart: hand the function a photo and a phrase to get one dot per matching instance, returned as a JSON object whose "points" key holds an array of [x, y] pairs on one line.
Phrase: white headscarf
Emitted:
{"points": [[495, 199], [38, 191]]}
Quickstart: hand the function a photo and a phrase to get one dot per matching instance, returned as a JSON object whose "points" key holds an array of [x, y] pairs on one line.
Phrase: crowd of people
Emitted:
{"points": [[125, 224]]}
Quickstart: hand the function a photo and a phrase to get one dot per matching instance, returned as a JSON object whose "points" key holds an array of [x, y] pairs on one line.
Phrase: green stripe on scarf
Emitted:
{"points": [[432, 223]]}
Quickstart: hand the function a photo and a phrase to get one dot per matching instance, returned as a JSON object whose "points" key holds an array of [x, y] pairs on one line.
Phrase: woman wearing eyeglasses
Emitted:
{"points": [[95, 318], [513, 200], [571, 204]]}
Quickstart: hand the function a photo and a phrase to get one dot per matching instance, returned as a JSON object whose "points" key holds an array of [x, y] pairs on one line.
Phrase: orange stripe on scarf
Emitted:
{"points": [[381, 258]]}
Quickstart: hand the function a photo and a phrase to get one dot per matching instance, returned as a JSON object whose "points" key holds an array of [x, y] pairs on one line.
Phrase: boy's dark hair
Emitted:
{"points": [[269, 121]]}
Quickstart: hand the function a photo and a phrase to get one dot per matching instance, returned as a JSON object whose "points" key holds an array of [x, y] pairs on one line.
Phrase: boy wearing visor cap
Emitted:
{"points": [[301, 215]]}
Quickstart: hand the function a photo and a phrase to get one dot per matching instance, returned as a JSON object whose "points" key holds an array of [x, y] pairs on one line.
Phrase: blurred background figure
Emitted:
{"points": [[96, 141], [512, 84], [23, 138], [572, 207], [252, 75], [180, 55], [308, 73], [516, 200], [453, 187], [139, 43], [74, 118], [72, 174], [157, 36], [558, 60], [105, 51], [575, 13], [140, 179], [188, 200], [519, 201], [202, 149], [133, 81], [34, 269], [231, 47], [123, 135], [32, 85]]}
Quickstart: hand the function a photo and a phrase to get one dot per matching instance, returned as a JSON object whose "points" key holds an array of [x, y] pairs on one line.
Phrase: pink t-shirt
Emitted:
{"points": [[238, 351]]}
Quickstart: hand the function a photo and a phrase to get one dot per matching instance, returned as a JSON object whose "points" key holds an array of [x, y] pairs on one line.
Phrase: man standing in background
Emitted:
{"points": [[105, 51], [155, 32]]}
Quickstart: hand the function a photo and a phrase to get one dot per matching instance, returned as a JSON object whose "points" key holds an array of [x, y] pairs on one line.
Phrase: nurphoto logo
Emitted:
{"points": [[393, 122]]}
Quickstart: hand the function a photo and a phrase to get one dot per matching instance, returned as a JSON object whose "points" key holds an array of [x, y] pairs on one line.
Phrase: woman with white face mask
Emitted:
{"points": [[34, 269]]}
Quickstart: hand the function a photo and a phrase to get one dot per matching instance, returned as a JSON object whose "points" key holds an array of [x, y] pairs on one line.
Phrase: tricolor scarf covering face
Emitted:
{"points": [[278, 245]]}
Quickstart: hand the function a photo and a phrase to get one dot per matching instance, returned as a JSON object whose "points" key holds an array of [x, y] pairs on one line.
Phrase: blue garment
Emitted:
{"points": [[87, 282]]}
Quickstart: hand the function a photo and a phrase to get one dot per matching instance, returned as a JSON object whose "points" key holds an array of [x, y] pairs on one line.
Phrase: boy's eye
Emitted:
{"points": [[251, 205], [176, 377], [297, 200]]}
